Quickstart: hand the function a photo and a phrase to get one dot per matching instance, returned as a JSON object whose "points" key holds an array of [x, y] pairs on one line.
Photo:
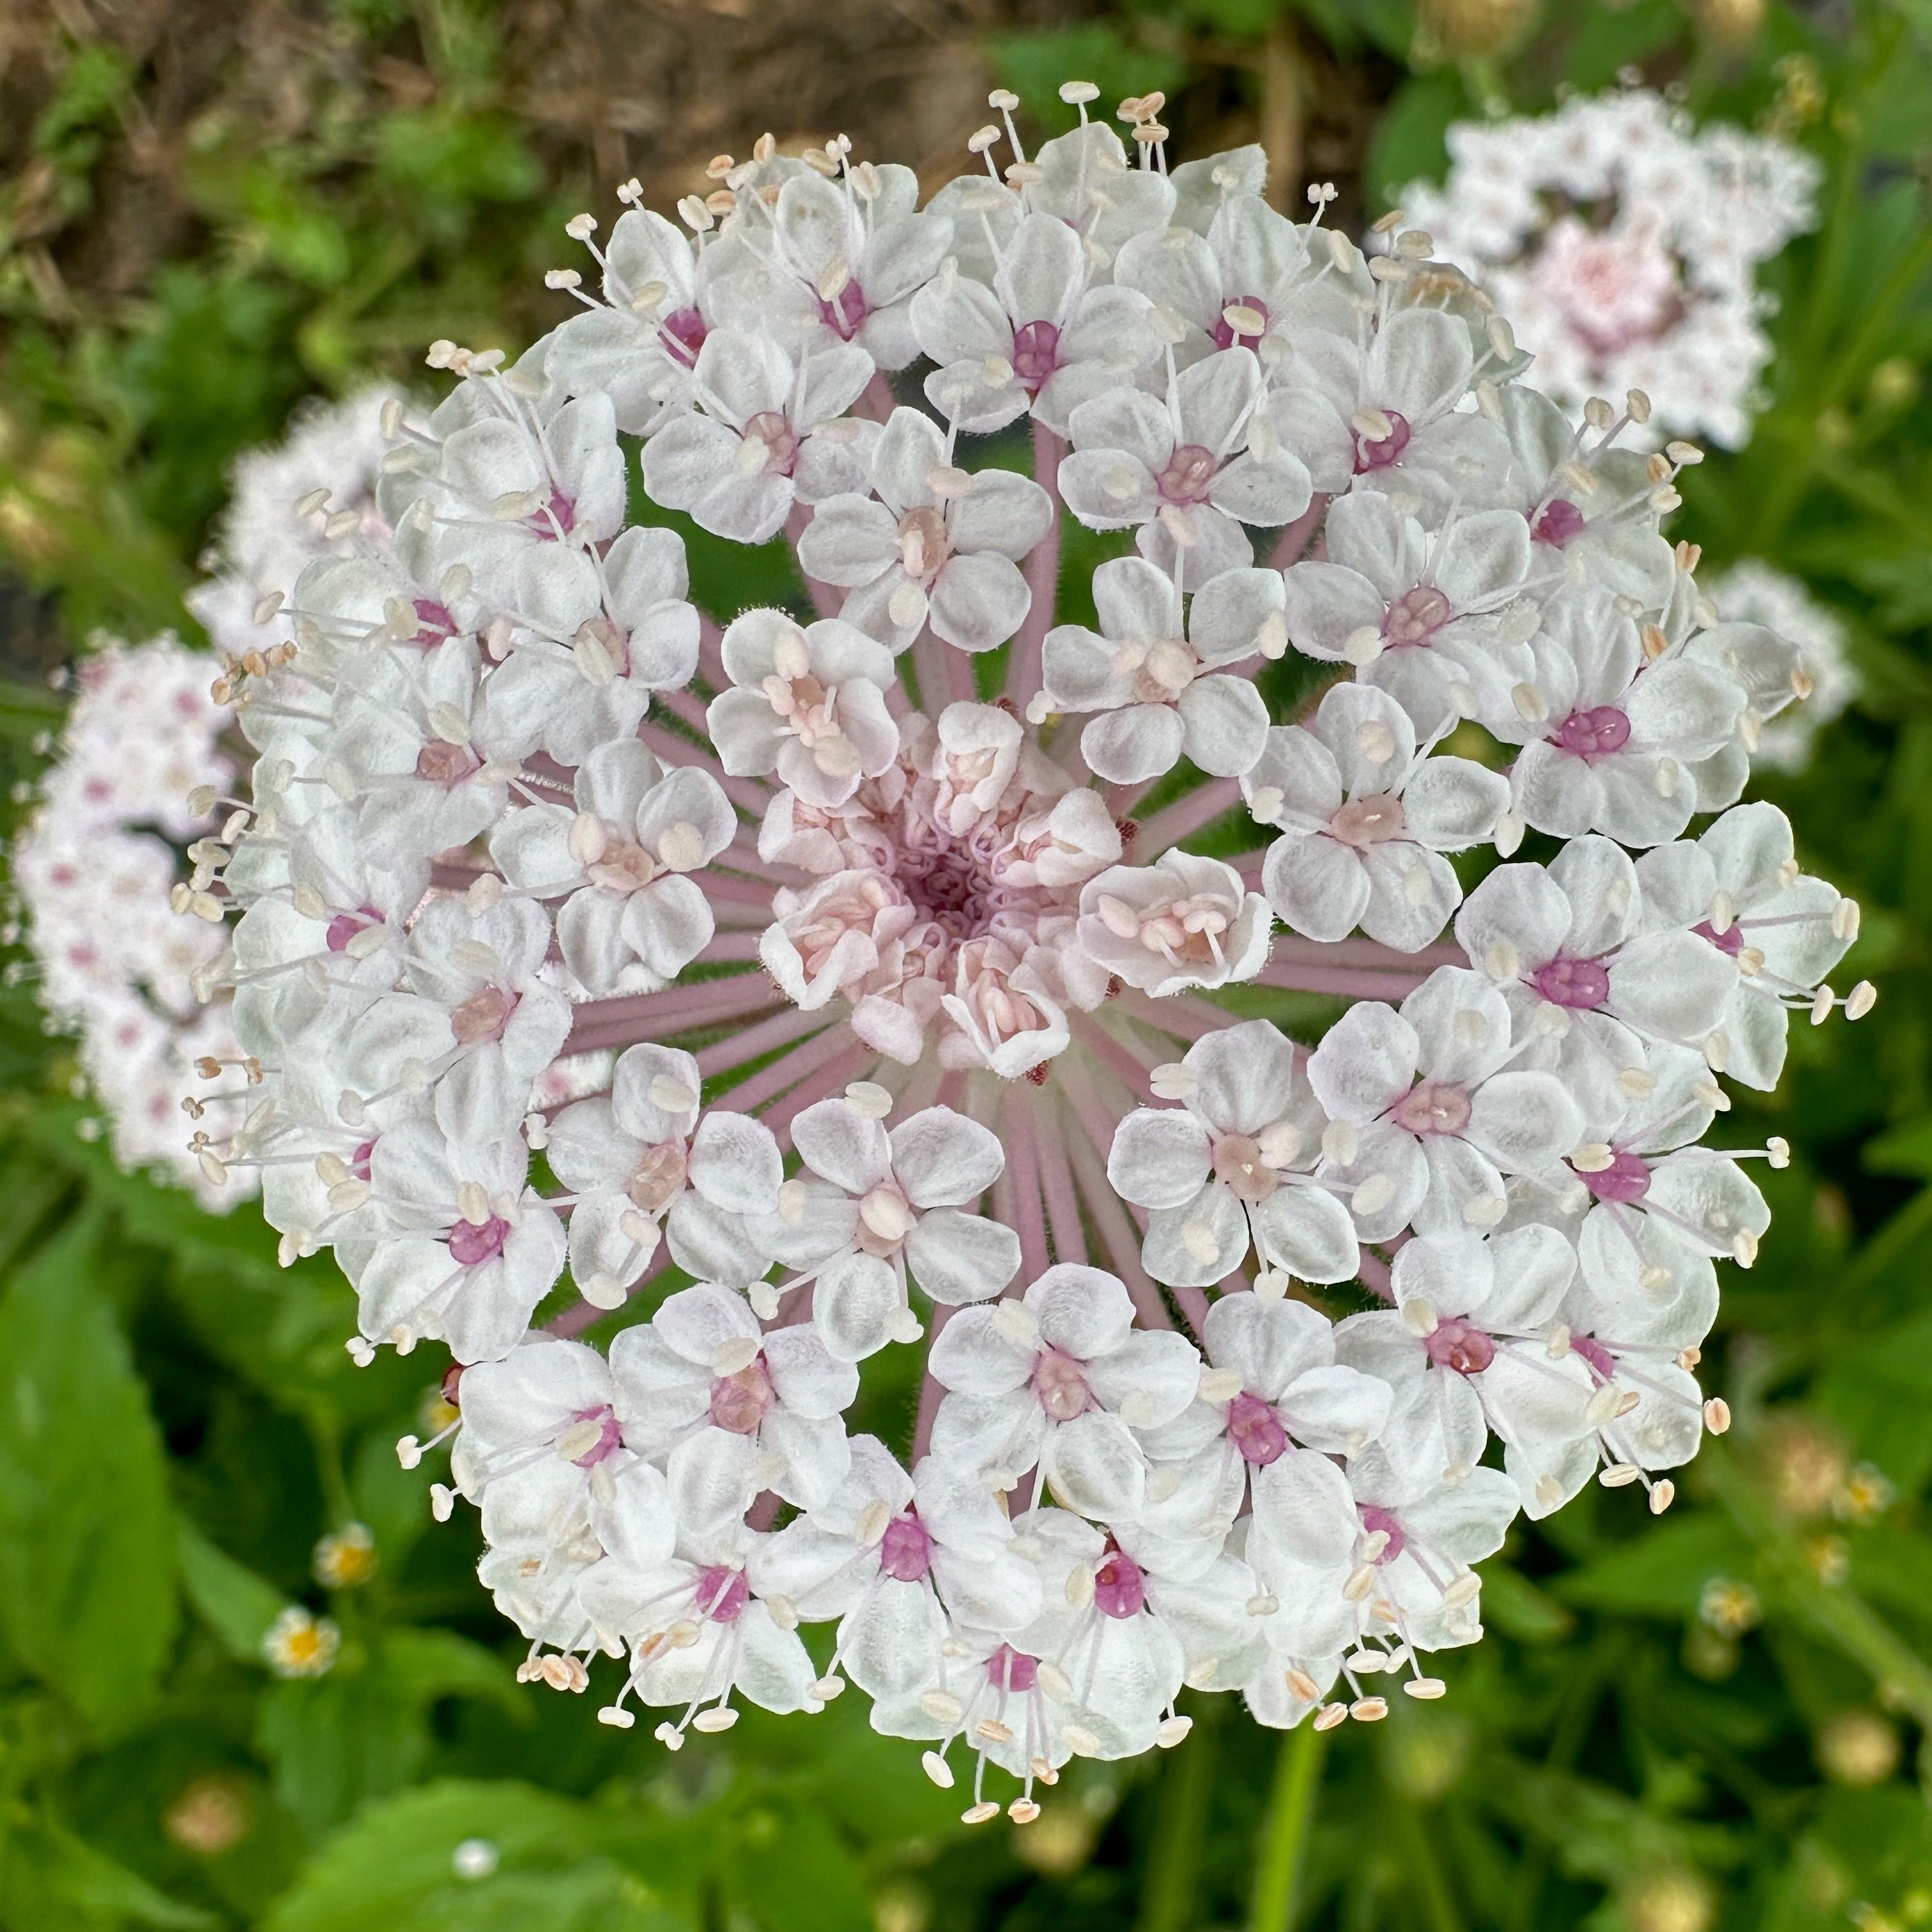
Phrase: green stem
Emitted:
{"points": [[1438, 1901], [1168, 1895], [1297, 1771]]}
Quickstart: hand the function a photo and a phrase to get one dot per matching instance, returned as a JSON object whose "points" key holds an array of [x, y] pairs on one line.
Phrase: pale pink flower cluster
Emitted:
{"points": [[1623, 243], [849, 966]]}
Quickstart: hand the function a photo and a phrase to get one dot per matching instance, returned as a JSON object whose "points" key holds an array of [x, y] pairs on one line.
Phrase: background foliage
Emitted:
{"points": [[210, 208]]}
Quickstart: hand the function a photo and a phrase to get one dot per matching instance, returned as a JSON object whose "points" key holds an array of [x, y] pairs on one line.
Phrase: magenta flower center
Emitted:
{"points": [[1380, 1522], [1731, 940], [557, 517], [345, 925], [1558, 523], [1189, 474], [1459, 1345], [738, 1402], [1416, 616], [1010, 1670], [1378, 452], [1626, 1178], [1432, 1107], [846, 312], [905, 1550], [1036, 354], [1595, 733], [609, 1436], [1223, 330], [682, 333], [1119, 1589], [1602, 1364], [1580, 983], [722, 1594], [434, 622], [1256, 1430], [472, 1242], [1060, 1384]]}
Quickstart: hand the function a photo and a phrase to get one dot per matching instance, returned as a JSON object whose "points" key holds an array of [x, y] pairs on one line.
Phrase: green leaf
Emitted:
{"points": [[1408, 140], [395, 1867], [363, 1730], [1519, 1609], [234, 1603], [87, 1537], [1034, 65], [51, 1881], [795, 1874], [1661, 1573]]}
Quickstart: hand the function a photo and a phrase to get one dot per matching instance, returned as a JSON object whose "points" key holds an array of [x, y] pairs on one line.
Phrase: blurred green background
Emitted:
{"points": [[210, 209]]}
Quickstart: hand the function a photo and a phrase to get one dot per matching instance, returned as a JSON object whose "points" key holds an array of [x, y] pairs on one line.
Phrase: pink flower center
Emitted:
{"points": [[1189, 474], [947, 886], [609, 1436], [1602, 1364], [1372, 820], [773, 430], [658, 1179], [1010, 1670], [1572, 983], [923, 544], [1432, 1107], [345, 925], [1626, 1178], [1238, 1165], [738, 1402], [1256, 1430], [1035, 355], [1415, 617], [1380, 1522], [471, 1243], [1457, 1344], [1223, 330], [1730, 941], [905, 1550], [1060, 1384], [1595, 733], [846, 312], [625, 868], [1120, 1588], [483, 1016], [1378, 452], [557, 517], [682, 333], [445, 764], [1558, 523], [1616, 288], [722, 1594]]}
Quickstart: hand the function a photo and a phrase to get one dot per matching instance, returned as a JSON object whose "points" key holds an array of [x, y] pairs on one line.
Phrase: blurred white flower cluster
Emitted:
{"points": [[95, 868], [1623, 244], [769, 976], [1754, 592]]}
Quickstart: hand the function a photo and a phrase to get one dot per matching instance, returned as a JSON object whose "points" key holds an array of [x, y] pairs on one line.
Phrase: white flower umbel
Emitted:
{"points": [[916, 934]]}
